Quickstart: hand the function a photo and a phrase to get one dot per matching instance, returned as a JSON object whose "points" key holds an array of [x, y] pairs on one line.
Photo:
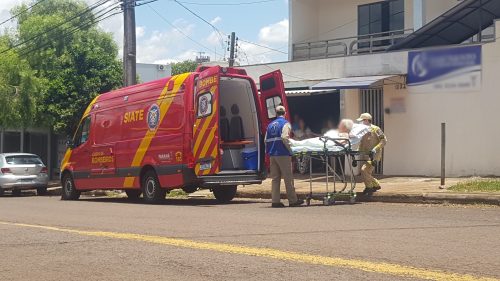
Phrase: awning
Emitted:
{"points": [[305, 93], [460, 23], [361, 82]]}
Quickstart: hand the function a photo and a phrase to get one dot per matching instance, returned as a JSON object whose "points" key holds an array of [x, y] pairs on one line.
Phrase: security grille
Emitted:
{"points": [[372, 101]]}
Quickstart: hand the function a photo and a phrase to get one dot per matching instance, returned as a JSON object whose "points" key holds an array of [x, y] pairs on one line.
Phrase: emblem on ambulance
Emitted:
{"points": [[204, 105], [153, 117]]}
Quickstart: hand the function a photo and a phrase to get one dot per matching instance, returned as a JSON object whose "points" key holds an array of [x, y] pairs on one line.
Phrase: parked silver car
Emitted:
{"points": [[22, 171]]}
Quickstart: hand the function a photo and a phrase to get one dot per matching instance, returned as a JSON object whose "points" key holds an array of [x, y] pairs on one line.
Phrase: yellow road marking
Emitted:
{"points": [[368, 266]]}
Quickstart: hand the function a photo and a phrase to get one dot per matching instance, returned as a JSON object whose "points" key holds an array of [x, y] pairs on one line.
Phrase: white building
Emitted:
{"points": [[413, 65], [150, 72]]}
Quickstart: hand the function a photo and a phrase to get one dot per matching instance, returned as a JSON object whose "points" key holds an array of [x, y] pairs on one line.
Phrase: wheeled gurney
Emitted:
{"points": [[333, 151]]}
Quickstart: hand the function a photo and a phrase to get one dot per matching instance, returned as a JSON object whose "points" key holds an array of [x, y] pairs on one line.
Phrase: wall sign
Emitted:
{"points": [[445, 70]]}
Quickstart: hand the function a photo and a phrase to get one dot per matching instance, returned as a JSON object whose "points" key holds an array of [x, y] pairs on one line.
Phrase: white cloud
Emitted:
{"points": [[215, 20], [139, 31], [213, 39], [274, 33], [162, 46]]}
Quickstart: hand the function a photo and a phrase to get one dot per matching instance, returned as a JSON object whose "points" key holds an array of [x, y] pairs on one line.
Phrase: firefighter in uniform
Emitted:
{"points": [[372, 142], [278, 149]]}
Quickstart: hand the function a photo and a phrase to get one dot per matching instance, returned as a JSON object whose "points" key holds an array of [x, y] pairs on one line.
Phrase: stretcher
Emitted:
{"points": [[332, 152]]}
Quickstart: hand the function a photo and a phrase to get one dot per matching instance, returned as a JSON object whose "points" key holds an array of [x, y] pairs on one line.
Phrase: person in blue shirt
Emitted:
{"points": [[278, 148]]}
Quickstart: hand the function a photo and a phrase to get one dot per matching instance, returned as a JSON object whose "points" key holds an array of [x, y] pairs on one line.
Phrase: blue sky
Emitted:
{"points": [[263, 23]]}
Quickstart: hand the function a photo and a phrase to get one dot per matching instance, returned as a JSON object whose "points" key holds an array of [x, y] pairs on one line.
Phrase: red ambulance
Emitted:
{"points": [[203, 129]]}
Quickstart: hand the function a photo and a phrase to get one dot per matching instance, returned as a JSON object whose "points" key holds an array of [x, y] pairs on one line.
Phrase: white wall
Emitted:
{"points": [[150, 72], [473, 134], [307, 73]]}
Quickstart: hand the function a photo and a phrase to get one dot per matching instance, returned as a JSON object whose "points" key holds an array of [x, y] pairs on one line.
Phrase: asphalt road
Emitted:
{"points": [[43, 238]]}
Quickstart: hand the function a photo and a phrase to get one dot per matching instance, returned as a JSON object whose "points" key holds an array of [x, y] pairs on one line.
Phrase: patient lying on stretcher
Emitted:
{"points": [[347, 129]]}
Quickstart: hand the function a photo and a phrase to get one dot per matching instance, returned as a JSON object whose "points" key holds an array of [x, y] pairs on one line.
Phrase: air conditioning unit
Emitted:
{"points": [[161, 67]]}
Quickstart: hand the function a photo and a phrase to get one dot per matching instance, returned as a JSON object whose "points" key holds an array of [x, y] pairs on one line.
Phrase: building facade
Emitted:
{"points": [[369, 52]]}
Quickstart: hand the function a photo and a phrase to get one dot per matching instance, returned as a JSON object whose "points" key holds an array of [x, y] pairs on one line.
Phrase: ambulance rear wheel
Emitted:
{"points": [[151, 189], [69, 191], [133, 194], [224, 194]]}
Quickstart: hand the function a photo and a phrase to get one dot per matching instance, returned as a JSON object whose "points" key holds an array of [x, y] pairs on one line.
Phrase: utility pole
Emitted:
{"points": [[232, 41], [129, 43]]}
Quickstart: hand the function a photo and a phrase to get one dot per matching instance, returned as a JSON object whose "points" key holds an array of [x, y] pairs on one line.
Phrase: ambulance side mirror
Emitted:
{"points": [[70, 144]]}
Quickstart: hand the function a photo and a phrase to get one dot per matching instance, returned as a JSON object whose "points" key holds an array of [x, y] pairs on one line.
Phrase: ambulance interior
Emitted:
{"points": [[238, 127]]}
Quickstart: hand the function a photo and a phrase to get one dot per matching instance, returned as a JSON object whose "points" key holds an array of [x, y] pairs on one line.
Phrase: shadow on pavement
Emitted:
{"points": [[200, 202]]}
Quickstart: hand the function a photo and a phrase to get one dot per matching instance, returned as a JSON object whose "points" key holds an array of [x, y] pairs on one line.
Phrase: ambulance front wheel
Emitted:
{"points": [[151, 189], [224, 194], [69, 191]]}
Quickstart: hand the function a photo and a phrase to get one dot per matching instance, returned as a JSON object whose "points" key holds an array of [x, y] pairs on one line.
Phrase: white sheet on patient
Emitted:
{"points": [[315, 144]]}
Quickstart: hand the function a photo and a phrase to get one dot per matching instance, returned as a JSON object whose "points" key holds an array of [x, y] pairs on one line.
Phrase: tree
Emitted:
{"points": [[183, 67], [20, 90], [71, 55]]}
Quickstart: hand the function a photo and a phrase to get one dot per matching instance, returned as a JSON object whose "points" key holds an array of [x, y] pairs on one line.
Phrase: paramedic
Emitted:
{"points": [[372, 142], [278, 149]]}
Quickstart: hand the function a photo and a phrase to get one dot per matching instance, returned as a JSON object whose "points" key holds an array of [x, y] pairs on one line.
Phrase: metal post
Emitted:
{"points": [[49, 153], [443, 154], [21, 149], [129, 43], [231, 50], [2, 140]]}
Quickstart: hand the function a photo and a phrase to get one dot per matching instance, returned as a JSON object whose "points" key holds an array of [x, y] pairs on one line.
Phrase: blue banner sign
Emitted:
{"points": [[445, 69]]}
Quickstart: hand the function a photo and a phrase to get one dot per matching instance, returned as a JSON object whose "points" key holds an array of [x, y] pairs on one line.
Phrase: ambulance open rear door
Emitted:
{"points": [[206, 149], [272, 94]]}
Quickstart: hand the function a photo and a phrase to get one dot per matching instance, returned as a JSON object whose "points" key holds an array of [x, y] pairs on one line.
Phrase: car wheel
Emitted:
{"points": [[133, 194], [16, 192], [2, 192], [224, 194], [41, 191], [69, 191], [151, 189]]}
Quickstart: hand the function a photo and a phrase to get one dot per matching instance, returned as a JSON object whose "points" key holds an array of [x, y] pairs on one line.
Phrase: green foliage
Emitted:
{"points": [[477, 185], [183, 67], [74, 62], [20, 90]]}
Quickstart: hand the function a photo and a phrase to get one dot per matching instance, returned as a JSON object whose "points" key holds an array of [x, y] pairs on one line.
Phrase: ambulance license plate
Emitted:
{"points": [[206, 166]]}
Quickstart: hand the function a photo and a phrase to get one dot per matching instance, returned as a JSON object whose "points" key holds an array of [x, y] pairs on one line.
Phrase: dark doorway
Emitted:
{"points": [[316, 109]]}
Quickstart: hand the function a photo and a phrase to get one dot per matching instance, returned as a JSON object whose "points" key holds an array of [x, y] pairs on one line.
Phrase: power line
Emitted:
{"points": [[225, 4], [18, 14], [178, 29], [204, 20], [263, 46], [89, 9]]}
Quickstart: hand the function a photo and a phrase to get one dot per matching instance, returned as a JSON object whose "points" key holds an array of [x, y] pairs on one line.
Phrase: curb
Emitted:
{"points": [[413, 198]]}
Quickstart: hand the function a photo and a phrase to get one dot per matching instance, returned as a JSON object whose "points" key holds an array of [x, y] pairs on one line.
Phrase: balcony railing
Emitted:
{"points": [[341, 47]]}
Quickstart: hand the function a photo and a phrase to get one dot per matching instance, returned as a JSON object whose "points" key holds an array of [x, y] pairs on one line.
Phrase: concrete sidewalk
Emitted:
{"points": [[394, 189]]}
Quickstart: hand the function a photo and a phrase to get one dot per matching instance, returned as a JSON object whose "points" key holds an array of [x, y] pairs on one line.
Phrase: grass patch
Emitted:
{"points": [[477, 186], [177, 193]]}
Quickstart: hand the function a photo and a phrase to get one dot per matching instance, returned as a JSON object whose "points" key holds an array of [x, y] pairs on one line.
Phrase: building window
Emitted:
{"points": [[380, 17]]}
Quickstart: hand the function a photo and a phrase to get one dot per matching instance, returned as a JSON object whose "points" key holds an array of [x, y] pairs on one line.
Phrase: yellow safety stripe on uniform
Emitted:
{"points": [[164, 104], [68, 153]]}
